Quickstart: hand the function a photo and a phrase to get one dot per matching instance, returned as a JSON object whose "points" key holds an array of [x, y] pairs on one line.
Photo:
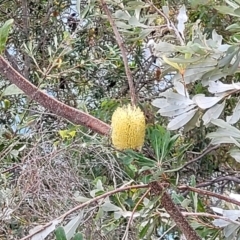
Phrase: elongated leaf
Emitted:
{"points": [[212, 76], [45, 232], [182, 18], [109, 207], [4, 31], [181, 89], [71, 227], [176, 98], [235, 153], [123, 15], [196, 71], [227, 10], [165, 47], [166, 10], [235, 116], [175, 110], [12, 90], [78, 236], [231, 130], [160, 103], [134, 22], [230, 230], [217, 210], [235, 196], [220, 223], [219, 87], [181, 120], [171, 63], [122, 25], [205, 102], [213, 113], [193, 122], [231, 214], [217, 38], [60, 234]]}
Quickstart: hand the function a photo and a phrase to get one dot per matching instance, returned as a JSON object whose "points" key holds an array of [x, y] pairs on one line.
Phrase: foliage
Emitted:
{"points": [[62, 181]]}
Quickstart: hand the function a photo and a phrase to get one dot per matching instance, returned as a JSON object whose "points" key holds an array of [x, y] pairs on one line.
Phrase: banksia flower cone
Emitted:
{"points": [[128, 128]]}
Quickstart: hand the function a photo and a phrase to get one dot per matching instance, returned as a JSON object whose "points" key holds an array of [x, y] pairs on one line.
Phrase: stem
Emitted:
{"points": [[174, 212], [123, 52]]}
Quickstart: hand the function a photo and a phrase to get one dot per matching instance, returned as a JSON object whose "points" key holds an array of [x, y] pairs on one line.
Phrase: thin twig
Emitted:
{"points": [[170, 24], [208, 193], [199, 157], [202, 214], [219, 179], [123, 52], [125, 236], [167, 231], [63, 216]]}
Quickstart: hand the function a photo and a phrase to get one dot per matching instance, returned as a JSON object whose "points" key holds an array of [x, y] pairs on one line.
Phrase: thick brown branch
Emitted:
{"points": [[57, 107], [174, 212]]}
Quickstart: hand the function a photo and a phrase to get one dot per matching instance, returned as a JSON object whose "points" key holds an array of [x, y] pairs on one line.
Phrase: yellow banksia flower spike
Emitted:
{"points": [[128, 128]]}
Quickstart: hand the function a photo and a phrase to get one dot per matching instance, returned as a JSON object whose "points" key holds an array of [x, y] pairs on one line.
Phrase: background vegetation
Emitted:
{"points": [[58, 178]]}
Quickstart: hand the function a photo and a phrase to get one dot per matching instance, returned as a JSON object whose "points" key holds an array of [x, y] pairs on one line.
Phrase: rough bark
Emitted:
{"points": [[60, 109], [174, 212]]}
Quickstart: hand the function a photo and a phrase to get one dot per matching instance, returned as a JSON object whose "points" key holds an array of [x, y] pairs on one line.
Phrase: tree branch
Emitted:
{"points": [[208, 193], [174, 212], [60, 109], [123, 52], [82, 205]]}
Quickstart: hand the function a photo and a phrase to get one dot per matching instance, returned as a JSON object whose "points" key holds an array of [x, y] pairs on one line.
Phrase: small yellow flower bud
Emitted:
{"points": [[128, 128]]}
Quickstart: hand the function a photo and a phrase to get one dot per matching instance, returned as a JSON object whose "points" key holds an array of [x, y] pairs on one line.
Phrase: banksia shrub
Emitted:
{"points": [[128, 128]]}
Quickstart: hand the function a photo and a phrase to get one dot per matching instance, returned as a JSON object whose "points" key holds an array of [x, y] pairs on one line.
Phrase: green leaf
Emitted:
{"points": [[135, 4], [144, 231], [122, 25], [4, 31], [72, 226], [165, 47], [206, 102], [235, 153], [237, 11], [78, 236], [109, 207], [135, 23], [7, 104], [181, 120], [60, 234], [172, 63], [227, 10], [213, 113], [123, 15], [12, 90]]}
